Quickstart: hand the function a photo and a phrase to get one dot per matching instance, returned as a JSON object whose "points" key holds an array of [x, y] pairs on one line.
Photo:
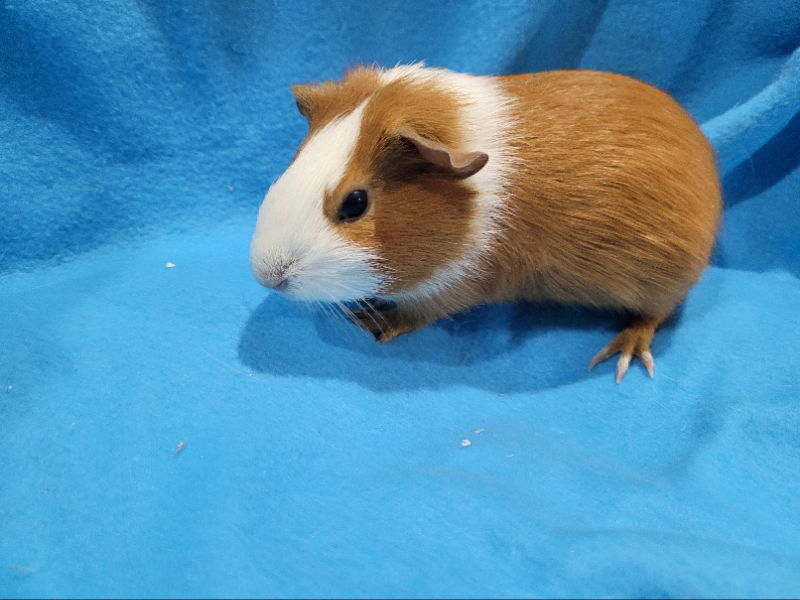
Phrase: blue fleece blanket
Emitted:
{"points": [[179, 431]]}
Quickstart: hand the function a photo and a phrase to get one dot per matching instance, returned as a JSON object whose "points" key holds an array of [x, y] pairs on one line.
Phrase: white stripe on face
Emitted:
{"points": [[293, 238]]}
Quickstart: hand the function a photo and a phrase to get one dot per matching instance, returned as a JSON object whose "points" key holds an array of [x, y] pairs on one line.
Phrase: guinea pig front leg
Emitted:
{"points": [[387, 325]]}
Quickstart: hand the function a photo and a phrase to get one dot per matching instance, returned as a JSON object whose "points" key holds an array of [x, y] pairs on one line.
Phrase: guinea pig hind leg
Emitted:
{"points": [[632, 341]]}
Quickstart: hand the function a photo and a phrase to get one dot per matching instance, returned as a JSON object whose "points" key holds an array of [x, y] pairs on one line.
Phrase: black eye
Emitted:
{"points": [[353, 206]]}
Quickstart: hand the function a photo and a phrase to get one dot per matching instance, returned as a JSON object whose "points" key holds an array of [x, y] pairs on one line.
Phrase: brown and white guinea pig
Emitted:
{"points": [[438, 191]]}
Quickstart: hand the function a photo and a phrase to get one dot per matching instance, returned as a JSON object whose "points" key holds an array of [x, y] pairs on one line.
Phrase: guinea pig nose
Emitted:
{"points": [[278, 283]]}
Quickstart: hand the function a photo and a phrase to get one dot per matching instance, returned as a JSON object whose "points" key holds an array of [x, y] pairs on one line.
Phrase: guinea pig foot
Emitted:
{"points": [[384, 326], [370, 320], [392, 330], [633, 341], [398, 328], [387, 336]]}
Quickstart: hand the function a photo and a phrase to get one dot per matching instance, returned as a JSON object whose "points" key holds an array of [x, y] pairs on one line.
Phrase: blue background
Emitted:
{"points": [[317, 462]]}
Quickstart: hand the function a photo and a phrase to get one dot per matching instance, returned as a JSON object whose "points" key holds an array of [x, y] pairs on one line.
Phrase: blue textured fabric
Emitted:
{"points": [[315, 462]]}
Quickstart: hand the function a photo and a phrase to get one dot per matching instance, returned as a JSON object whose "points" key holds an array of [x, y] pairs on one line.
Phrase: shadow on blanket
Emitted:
{"points": [[508, 348]]}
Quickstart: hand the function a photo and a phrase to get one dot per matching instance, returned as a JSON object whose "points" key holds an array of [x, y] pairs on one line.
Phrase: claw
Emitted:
{"points": [[649, 363], [604, 353], [632, 341], [622, 366]]}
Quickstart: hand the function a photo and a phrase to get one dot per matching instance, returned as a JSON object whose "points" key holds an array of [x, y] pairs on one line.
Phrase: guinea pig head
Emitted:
{"points": [[376, 201]]}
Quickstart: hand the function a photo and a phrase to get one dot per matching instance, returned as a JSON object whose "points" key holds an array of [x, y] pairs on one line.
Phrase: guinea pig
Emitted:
{"points": [[436, 191]]}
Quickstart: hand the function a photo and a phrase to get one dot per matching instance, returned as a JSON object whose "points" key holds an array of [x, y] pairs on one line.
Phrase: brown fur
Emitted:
{"points": [[322, 103], [616, 195]]}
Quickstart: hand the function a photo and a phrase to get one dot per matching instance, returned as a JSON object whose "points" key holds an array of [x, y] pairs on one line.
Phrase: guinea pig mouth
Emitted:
{"points": [[277, 280]]}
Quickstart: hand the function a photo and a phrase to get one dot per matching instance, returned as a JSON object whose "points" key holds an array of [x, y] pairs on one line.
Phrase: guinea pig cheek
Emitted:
{"points": [[420, 228], [361, 235]]}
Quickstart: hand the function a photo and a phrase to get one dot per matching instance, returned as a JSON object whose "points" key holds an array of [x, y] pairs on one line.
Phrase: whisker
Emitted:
{"points": [[328, 309], [376, 317]]}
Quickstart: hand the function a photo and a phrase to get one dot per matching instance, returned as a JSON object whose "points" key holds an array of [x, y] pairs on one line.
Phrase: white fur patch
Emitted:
{"points": [[487, 126], [294, 239]]}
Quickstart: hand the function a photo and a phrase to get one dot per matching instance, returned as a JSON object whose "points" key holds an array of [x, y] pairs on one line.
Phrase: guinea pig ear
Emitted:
{"points": [[460, 164], [304, 97]]}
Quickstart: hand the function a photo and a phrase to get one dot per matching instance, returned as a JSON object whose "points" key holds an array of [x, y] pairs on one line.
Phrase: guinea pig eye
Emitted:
{"points": [[353, 206]]}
